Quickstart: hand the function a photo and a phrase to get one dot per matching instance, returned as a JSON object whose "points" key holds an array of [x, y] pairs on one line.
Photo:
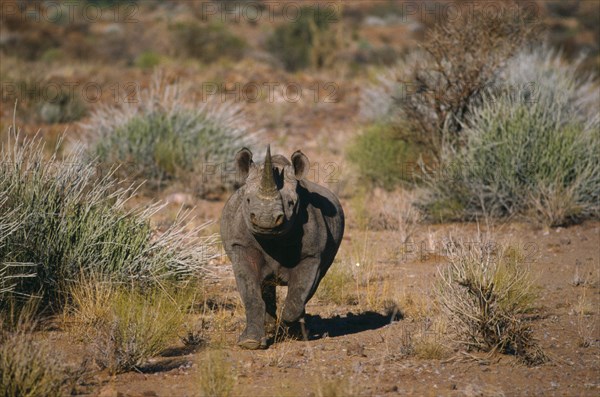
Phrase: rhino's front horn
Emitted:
{"points": [[267, 183]]}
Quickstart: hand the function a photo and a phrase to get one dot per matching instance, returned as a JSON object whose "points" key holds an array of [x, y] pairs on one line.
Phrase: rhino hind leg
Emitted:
{"points": [[303, 283], [269, 295]]}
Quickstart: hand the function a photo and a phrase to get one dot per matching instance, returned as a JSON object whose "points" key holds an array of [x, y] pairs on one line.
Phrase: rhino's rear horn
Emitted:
{"points": [[267, 183]]}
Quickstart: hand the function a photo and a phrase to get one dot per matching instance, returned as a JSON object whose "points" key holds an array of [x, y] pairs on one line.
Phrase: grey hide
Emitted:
{"points": [[278, 228]]}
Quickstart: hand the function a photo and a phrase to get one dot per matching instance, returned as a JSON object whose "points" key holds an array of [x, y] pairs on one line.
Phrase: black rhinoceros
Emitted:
{"points": [[278, 228]]}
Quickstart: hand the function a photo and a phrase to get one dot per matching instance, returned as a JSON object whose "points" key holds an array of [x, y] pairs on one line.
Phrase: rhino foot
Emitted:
{"points": [[253, 344], [271, 324], [296, 330]]}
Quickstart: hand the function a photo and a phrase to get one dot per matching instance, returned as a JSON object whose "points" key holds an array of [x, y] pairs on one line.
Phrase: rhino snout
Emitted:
{"points": [[267, 221]]}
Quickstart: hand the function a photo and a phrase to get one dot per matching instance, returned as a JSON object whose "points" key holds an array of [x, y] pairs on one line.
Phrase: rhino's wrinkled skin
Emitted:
{"points": [[278, 229]]}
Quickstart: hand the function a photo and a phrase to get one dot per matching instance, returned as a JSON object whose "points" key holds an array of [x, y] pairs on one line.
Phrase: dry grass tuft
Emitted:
{"points": [[486, 293], [334, 388], [424, 339], [585, 326], [29, 367], [216, 375], [337, 286], [126, 325], [395, 211], [415, 306]]}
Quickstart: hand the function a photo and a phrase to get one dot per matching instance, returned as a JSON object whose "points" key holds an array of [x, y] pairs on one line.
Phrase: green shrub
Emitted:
{"points": [[208, 42], [53, 55], [531, 152], [147, 60], [161, 137], [307, 41], [58, 220], [485, 293], [383, 157]]}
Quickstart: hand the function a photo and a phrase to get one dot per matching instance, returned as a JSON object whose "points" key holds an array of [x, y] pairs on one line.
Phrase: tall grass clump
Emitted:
{"points": [[162, 135], [126, 324], [529, 152], [486, 293], [59, 220]]}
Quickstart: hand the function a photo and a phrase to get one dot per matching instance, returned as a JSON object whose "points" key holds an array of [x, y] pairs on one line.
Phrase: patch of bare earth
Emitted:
{"points": [[362, 347]]}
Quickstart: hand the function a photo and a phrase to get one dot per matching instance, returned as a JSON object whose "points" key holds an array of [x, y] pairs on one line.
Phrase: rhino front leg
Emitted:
{"points": [[246, 267]]}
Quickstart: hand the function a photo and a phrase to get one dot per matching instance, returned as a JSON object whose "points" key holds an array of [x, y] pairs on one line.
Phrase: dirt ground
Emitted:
{"points": [[357, 350]]}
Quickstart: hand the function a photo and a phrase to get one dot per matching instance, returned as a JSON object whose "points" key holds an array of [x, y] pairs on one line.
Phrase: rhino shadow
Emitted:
{"points": [[319, 327]]}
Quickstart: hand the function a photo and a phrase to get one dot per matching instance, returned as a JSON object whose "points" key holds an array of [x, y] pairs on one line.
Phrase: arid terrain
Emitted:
{"points": [[358, 349], [375, 326]]}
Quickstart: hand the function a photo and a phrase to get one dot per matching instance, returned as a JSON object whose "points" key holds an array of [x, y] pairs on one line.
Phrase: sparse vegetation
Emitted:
{"points": [[529, 153], [334, 388], [311, 40], [207, 42], [486, 293], [125, 325], [460, 61], [161, 136], [96, 276], [60, 221], [63, 109], [337, 286], [216, 375], [383, 157], [29, 367], [148, 60]]}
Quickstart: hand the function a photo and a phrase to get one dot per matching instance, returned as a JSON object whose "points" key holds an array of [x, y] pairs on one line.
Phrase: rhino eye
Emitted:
{"points": [[248, 201]]}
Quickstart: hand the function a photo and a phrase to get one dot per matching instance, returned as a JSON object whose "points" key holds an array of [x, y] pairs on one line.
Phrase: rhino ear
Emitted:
{"points": [[243, 161], [301, 164]]}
